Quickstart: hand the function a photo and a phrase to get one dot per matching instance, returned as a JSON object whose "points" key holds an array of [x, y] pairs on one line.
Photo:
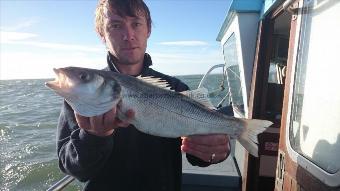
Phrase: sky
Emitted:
{"points": [[39, 35]]}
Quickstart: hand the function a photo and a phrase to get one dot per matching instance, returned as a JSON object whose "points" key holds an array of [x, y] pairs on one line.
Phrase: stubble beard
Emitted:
{"points": [[130, 62]]}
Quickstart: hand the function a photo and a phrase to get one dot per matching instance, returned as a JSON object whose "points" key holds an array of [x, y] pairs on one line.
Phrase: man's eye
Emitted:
{"points": [[137, 24], [115, 26]]}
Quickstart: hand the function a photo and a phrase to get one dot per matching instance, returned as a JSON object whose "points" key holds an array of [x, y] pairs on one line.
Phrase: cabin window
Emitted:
{"points": [[314, 130], [233, 73]]}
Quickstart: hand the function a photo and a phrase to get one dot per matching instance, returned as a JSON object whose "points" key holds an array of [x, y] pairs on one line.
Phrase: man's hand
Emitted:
{"points": [[209, 148], [104, 125]]}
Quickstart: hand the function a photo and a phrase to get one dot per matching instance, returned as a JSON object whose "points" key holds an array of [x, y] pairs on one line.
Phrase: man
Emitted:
{"points": [[106, 155]]}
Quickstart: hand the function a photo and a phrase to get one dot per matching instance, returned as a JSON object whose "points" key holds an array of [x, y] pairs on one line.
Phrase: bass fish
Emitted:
{"points": [[158, 110]]}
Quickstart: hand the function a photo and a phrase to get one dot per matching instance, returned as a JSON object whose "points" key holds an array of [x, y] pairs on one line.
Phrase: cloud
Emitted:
{"points": [[19, 38], [7, 37], [40, 64], [61, 46], [24, 24], [185, 43], [34, 65], [186, 63], [177, 58]]}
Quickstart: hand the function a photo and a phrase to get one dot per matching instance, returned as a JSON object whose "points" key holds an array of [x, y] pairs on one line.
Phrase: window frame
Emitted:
{"points": [[332, 180]]}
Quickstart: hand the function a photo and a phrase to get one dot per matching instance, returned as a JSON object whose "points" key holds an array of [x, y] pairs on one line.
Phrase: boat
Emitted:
{"points": [[281, 64]]}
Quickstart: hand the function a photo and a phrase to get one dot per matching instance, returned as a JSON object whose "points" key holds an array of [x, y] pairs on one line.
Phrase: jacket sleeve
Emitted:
{"points": [[80, 154]]}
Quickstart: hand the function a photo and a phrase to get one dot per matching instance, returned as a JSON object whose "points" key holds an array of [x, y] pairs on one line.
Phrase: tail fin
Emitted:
{"points": [[248, 138]]}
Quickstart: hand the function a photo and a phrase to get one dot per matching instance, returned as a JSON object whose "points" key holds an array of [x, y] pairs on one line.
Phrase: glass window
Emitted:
{"points": [[233, 73], [314, 130]]}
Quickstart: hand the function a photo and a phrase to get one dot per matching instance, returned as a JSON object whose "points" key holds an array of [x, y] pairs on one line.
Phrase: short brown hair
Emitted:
{"points": [[123, 8]]}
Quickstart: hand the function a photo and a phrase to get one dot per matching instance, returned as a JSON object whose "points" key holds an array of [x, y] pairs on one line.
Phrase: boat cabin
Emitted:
{"points": [[281, 64]]}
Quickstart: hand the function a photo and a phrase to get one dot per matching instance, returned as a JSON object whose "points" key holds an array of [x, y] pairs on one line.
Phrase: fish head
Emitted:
{"points": [[87, 91], [75, 81]]}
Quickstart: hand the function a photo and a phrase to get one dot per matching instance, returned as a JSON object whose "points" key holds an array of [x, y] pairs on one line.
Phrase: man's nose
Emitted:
{"points": [[129, 34]]}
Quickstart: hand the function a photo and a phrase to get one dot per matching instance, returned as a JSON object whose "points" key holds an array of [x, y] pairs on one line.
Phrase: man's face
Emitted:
{"points": [[126, 37]]}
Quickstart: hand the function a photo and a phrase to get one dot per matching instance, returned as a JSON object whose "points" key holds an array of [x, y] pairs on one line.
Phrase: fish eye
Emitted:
{"points": [[83, 76]]}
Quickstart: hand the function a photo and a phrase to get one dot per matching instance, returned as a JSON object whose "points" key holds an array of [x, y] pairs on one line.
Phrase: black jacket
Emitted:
{"points": [[127, 160]]}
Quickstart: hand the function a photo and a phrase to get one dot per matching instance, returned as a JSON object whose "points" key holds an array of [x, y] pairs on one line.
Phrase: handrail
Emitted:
{"points": [[61, 183], [287, 6], [211, 69]]}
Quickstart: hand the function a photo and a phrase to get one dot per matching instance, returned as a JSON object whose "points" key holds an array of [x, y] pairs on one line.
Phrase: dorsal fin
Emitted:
{"points": [[200, 95], [155, 81]]}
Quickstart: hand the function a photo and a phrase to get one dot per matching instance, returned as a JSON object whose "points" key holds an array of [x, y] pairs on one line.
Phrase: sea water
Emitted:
{"points": [[28, 119]]}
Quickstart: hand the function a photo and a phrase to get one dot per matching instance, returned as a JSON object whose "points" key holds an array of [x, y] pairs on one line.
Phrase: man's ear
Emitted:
{"points": [[149, 32]]}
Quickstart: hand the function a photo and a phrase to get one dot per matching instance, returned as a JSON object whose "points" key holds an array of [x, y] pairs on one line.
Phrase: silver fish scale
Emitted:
{"points": [[169, 114]]}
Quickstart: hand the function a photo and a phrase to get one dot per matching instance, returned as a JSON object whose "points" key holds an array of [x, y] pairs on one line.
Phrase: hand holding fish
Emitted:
{"points": [[209, 148], [104, 125]]}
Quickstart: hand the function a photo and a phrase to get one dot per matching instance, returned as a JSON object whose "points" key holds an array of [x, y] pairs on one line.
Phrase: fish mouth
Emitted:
{"points": [[59, 81]]}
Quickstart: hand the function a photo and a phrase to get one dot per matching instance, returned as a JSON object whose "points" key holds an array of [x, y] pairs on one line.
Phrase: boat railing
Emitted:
{"points": [[61, 183], [211, 69]]}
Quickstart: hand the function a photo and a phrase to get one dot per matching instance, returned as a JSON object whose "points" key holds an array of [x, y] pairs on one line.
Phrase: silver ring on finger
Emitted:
{"points": [[212, 157]]}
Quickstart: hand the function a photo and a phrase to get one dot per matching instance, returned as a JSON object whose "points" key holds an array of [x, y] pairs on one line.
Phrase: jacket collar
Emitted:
{"points": [[111, 60]]}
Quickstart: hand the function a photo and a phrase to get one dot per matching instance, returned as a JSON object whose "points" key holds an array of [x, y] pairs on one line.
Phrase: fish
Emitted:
{"points": [[159, 111]]}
